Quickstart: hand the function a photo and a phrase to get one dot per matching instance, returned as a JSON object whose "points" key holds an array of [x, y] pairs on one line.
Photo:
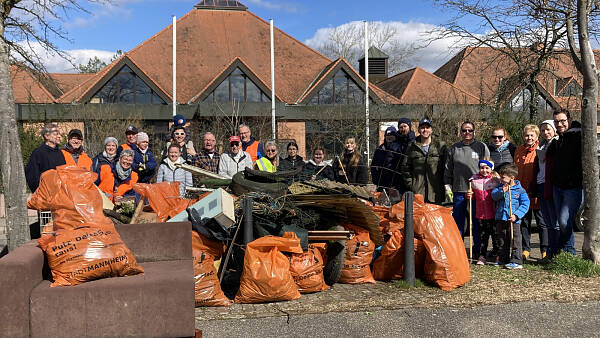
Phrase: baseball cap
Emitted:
{"points": [[425, 121], [390, 130], [75, 133], [131, 130], [179, 120], [234, 138]]}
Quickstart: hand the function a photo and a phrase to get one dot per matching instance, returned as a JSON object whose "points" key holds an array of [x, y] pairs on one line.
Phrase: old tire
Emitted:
{"points": [[336, 256]]}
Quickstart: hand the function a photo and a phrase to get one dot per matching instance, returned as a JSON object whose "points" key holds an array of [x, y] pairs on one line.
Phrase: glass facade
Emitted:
{"points": [[126, 87], [239, 87], [341, 89]]}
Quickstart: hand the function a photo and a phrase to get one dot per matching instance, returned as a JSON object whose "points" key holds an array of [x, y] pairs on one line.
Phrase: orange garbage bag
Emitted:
{"points": [[201, 244], [266, 276], [164, 198], [70, 194], [390, 265], [307, 270], [207, 289], [84, 254], [359, 254]]}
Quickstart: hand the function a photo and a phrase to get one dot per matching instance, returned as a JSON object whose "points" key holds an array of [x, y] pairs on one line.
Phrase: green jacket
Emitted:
{"points": [[423, 173]]}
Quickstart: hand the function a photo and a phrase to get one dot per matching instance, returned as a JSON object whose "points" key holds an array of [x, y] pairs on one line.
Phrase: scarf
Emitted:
{"points": [[502, 147], [171, 164], [122, 173], [110, 158]]}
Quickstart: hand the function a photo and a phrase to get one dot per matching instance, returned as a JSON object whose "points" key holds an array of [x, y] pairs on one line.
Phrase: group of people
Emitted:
{"points": [[544, 176]]}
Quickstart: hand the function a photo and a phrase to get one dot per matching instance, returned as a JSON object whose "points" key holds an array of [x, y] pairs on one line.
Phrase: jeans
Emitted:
{"points": [[549, 215], [566, 203], [487, 230], [541, 227], [460, 210]]}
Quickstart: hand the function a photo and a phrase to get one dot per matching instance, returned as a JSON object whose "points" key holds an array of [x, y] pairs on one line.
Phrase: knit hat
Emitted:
{"points": [[110, 139], [486, 162], [404, 120], [390, 130], [179, 120], [131, 130], [141, 137], [549, 122]]}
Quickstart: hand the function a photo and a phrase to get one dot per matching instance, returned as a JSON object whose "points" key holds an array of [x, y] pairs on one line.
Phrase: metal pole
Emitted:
{"points": [[248, 221], [409, 236], [174, 65], [273, 122], [367, 89]]}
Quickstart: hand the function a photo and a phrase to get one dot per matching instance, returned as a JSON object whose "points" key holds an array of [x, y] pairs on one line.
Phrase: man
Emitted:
{"points": [[423, 168], [405, 134], [462, 163], [131, 136], [385, 167], [73, 150], [564, 158], [45, 157], [235, 160], [208, 158], [250, 144]]}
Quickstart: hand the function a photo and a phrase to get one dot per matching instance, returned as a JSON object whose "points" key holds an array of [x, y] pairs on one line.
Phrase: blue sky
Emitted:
{"points": [[124, 24]]}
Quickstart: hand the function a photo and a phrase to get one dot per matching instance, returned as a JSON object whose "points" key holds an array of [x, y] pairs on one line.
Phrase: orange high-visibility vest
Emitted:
{"points": [[253, 150], [84, 161]]}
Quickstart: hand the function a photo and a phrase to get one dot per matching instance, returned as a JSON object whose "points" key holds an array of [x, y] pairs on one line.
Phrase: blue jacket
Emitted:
{"points": [[519, 198], [147, 159]]}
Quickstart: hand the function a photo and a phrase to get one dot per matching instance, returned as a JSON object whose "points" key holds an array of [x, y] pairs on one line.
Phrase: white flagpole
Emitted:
{"points": [[367, 88], [174, 65], [273, 122]]}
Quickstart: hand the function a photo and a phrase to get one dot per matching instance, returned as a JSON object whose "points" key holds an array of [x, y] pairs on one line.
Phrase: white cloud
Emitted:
{"points": [[431, 54], [276, 6], [57, 64]]}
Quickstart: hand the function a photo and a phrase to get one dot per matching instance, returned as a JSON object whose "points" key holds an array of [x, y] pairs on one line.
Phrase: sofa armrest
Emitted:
{"points": [[20, 273], [152, 242]]}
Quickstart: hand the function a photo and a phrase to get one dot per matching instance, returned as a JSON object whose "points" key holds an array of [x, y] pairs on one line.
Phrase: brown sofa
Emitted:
{"points": [[158, 303]]}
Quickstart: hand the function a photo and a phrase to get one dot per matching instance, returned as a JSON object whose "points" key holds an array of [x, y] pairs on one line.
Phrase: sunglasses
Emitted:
{"points": [[466, 130], [271, 151], [179, 134], [499, 137], [236, 144]]}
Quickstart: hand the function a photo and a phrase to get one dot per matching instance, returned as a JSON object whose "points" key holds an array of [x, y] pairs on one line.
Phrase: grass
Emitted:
{"points": [[401, 284], [568, 264]]}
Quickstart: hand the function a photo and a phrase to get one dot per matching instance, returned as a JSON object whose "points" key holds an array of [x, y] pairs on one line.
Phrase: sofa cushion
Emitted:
{"points": [[158, 241], [158, 303]]}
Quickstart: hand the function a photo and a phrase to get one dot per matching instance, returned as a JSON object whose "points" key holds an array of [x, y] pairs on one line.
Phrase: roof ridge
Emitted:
{"points": [[160, 31], [34, 79], [401, 73], [410, 81], [101, 74], [330, 66]]}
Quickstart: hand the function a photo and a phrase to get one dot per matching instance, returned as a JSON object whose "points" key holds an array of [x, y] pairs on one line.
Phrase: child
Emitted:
{"points": [[505, 215], [143, 162], [483, 183]]}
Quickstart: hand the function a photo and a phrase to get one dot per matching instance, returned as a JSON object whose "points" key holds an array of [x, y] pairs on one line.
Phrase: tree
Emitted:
{"points": [[347, 41], [518, 29], [95, 65], [583, 57], [22, 25]]}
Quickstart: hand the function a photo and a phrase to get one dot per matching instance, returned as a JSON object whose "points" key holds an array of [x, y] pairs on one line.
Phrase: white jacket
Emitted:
{"points": [[165, 174], [230, 164]]}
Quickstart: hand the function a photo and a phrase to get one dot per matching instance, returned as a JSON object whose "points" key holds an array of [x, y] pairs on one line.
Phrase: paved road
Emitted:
{"points": [[509, 320]]}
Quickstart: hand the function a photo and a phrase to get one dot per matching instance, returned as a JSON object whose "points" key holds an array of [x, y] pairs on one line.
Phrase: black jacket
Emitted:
{"points": [[567, 172], [385, 167], [311, 168], [42, 158], [356, 174], [101, 160], [289, 164]]}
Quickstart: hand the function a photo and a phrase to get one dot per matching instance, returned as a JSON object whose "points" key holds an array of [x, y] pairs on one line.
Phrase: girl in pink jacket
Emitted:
{"points": [[485, 211]]}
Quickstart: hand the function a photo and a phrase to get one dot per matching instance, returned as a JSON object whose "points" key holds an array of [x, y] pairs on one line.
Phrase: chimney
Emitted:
{"points": [[378, 65]]}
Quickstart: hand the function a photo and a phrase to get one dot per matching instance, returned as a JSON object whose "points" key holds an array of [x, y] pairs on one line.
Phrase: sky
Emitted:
{"points": [[124, 24]]}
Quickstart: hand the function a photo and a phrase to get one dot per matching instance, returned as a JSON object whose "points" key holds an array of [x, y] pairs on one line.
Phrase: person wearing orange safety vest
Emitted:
{"points": [[117, 181], [73, 150], [250, 144], [131, 137]]}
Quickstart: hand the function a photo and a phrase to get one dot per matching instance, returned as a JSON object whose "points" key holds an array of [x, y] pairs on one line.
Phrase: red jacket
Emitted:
{"points": [[482, 194]]}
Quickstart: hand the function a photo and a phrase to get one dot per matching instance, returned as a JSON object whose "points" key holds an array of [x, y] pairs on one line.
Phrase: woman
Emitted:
{"points": [[423, 169], [548, 132], [117, 181], [73, 150], [107, 156], [180, 137], [270, 161], [293, 160], [235, 160], [169, 172], [385, 167], [502, 151], [526, 161], [143, 162], [317, 168], [352, 169]]}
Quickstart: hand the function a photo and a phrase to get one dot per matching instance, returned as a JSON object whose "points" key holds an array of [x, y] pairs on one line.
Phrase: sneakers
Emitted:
{"points": [[513, 266], [481, 260]]}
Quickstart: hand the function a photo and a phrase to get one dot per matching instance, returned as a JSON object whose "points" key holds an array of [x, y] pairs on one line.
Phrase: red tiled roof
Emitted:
{"points": [[418, 86], [66, 82], [27, 88]]}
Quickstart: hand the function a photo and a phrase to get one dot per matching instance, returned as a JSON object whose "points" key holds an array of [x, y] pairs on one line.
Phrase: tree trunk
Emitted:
{"points": [[589, 141], [13, 173]]}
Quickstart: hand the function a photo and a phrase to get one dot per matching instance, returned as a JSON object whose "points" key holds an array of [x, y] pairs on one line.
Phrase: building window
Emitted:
{"points": [[520, 102], [572, 89], [239, 87], [341, 89], [126, 87]]}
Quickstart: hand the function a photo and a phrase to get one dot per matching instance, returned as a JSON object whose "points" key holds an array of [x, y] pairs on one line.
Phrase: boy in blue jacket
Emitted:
{"points": [[144, 163], [506, 215]]}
